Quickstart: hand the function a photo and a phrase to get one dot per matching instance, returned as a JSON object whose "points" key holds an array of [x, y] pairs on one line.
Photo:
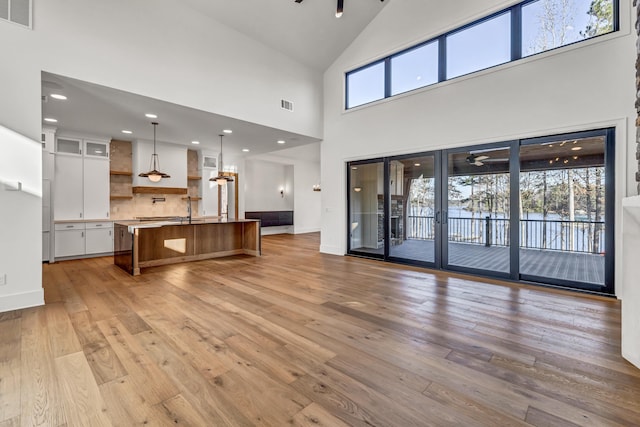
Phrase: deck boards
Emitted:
{"points": [[571, 266], [300, 338]]}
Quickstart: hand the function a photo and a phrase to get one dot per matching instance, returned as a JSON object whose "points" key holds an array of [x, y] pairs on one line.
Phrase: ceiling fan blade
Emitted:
{"points": [[478, 163]]}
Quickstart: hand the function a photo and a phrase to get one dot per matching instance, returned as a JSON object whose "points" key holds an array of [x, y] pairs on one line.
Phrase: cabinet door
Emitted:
{"points": [[67, 188], [99, 240], [69, 243], [96, 188], [96, 149]]}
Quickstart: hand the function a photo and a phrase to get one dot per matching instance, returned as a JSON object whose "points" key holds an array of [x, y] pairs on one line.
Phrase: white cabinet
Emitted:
{"points": [[81, 180], [69, 146], [99, 237], [76, 239], [68, 187], [69, 240], [95, 184]]}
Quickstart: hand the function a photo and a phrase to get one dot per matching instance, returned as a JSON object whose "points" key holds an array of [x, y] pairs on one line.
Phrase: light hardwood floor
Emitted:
{"points": [[297, 338]]}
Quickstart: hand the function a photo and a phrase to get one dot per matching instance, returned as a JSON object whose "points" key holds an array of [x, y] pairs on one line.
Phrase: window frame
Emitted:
{"points": [[516, 50]]}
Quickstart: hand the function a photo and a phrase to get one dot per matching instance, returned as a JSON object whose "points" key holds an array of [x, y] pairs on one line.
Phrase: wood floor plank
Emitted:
{"points": [[104, 362], [83, 403], [13, 422], [296, 337], [179, 412], [41, 400], [10, 361], [126, 406], [144, 372], [314, 415], [214, 404]]}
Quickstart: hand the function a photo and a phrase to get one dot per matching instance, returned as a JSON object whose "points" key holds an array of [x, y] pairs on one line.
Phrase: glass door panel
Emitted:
{"points": [[412, 227], [562, 210], [478, 205], [366, 208]]}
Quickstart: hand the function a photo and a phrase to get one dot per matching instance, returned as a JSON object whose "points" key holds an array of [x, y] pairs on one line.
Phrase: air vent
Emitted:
{"points": [[16, 11], [286, 105], [210, 162]]}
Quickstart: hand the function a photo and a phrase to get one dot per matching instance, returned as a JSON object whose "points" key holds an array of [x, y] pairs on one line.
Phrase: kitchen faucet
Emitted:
{"points": [[189, 208]]}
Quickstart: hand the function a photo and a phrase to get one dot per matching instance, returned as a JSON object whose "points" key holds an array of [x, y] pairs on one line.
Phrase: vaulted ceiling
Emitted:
{"points": [[307, 31]]}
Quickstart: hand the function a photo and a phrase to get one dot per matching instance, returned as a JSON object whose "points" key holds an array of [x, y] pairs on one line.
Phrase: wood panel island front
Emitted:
{"points": [[139, 244]]}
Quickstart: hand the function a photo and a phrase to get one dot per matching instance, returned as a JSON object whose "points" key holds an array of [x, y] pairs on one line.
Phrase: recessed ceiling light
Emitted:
{"points": [[227, 131], [151, 115], [58, 96], [246, 150], [128, 132], [50, 120], [281, 142], [576, 148], [416, 164], [354, 168], [195, 142]]}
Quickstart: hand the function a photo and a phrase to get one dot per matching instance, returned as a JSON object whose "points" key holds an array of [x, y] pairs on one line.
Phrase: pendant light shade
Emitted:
{"points": [[154, 174], [223, 177]]}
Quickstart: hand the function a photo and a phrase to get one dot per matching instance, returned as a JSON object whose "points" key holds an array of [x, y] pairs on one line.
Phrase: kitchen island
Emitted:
{"points": [[139, 244]]}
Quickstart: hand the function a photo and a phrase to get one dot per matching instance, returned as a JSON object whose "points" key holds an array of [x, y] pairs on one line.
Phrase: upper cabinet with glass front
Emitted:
{"points": [[96, 149], [69, 146]]}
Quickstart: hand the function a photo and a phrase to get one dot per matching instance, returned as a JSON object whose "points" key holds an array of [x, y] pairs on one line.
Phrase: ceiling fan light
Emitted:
{"points": [[339, 8]]}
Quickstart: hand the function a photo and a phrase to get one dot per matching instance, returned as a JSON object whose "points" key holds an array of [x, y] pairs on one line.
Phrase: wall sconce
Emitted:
{"points": [[316, 187], [357, 189]]}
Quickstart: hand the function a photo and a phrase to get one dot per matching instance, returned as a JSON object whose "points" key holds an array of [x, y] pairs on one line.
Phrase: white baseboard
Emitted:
{"points": [[22, 300], [283, 229], [332, 250], [307, 230]]}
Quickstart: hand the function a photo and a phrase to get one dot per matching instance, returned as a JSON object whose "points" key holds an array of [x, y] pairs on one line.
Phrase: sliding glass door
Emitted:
{"points": [[412, 208], [478, 210], [566, 209], [535, 210], [366, 209]]}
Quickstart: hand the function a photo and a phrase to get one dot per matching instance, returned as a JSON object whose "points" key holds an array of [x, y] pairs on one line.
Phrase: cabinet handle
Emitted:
{"points": [[109, 232], [80, 214], [98, 225], [69, 226], [82, 234]]}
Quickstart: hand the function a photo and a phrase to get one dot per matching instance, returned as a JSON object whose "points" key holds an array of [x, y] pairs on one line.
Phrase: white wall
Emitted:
{"points": [[305, 161], [21, 221], [263, 181], [156, 48], [580, 87]]}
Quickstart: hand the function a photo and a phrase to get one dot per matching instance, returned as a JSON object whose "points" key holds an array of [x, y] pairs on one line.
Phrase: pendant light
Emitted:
{"points": [[222, 177], [154, 174]]}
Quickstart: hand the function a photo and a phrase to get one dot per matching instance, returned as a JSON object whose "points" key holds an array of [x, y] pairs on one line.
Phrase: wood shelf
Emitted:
{"points": [[193, 198], [116, 197], [159, 190], [123, 173], [194, 177]]}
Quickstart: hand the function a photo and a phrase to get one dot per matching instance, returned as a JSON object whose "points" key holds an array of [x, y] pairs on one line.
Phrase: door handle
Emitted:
{"points": [[444, 217], [437, 217]]}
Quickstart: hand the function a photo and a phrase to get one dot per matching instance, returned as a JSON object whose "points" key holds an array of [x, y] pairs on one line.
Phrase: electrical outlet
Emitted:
{"points": [[3, 279]]}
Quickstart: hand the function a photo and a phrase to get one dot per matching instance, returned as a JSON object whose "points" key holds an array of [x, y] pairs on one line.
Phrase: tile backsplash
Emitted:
{"points": [[142, 205]]}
